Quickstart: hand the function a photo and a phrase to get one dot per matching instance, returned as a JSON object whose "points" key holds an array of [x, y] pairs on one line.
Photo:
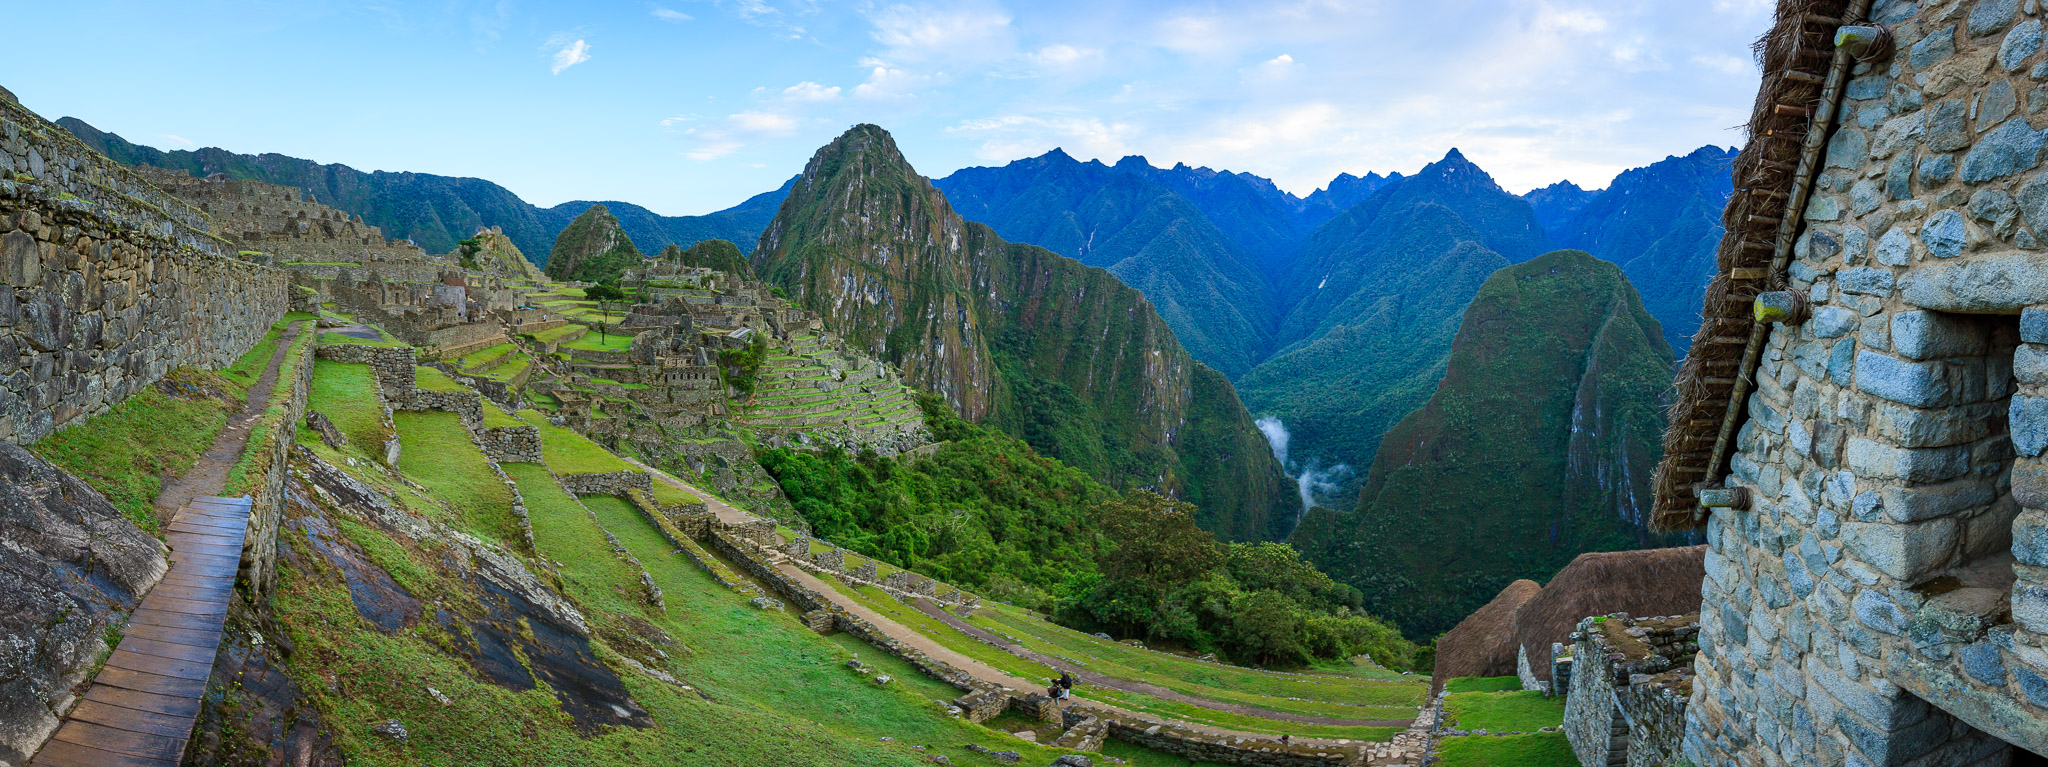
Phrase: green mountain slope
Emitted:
{"points": [[436, 211], [593, 248], [711, 254], [1538, 445], [1058, 353], [1662, 224], [1375, 296], [1154, 240]]}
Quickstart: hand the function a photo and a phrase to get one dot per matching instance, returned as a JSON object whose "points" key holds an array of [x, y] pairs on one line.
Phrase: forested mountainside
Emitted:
{"points": [[1538, 445], [1375, 297], [1661, 223], [436, 211], [593, 248], [1058, 353], [716, 255], [1202, 283]]}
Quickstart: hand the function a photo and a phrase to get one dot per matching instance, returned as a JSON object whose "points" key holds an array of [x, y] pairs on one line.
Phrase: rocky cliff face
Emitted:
{"points": [[1056, 352], [1538, 444], [593, 248]]}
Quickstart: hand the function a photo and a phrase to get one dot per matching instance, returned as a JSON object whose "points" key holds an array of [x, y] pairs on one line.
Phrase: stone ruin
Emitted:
{"points": [[1877, 572]]}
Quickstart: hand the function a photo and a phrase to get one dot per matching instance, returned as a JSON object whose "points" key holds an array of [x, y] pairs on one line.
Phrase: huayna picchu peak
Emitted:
{"points": [[1251, 385]]}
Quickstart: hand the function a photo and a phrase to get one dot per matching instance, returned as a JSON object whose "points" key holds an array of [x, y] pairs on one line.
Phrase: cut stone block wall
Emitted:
{"points": [[1628, 688], [516, 444], [618, 483], [107, 283], [1855, 611]]}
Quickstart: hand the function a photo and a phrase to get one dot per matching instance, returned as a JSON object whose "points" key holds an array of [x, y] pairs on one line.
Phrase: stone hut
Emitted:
{"points": [[1876, 506]]}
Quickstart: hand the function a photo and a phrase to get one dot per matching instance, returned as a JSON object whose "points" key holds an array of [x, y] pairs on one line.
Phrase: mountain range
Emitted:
{"points": [[437, 211]]}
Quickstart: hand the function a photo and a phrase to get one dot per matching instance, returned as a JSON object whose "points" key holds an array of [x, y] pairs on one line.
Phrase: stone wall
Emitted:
{"points": [[1627, 689], [392, 366], [293, 386], [107, 283], [516, 444], [1175, 739], [619, 483], [1855, 609]]}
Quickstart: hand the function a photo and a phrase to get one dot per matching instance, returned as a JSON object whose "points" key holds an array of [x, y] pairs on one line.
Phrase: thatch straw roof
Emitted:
{"points": [[1483, 644], [1525, 616], [1771, 178]]}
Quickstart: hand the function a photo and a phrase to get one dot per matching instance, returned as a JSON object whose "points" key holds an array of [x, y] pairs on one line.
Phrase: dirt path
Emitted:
{"points": [[210, 473], [1126, 685]]}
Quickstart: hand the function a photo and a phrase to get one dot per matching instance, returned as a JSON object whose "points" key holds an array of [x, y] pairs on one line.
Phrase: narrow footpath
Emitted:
{"points": [[141, 706], [728, 513]]}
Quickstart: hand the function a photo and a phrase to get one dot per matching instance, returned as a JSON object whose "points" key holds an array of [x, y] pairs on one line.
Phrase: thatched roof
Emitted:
{"points": [[1802, 79], [1526, 616], [1483, 644]]}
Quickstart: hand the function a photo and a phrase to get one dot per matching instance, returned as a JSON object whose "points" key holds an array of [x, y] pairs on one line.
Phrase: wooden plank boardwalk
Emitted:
{"points": [[142, 704]]}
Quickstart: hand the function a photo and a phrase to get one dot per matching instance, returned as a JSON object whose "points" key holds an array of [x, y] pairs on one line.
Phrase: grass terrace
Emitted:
{"points": [[437, 452], [1482, 684], [161, 431], [432, 379], [669, 495], [1543, 749], [570, 453], [346, 393], [485, 356], [1519, 711], [552, 335], [1313, 694], [594, 341]]}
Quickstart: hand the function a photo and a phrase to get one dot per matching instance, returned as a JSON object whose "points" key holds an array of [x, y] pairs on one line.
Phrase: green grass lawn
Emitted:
{"points": [[669, 495], [570, 453], [126, 452], [346, 393], [559, 333], [433, 379], [499, 419], [1199, 715], [1321, 695], [437, 453], [251, 365], [1483, 684], [485, 356], [881, 602], [600, 342], [1544, 749], [1519, 711]]}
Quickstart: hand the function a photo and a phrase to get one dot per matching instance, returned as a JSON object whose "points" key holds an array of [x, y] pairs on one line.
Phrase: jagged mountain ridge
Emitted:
{"points": [[1539, 444], [1661, 223], [436, 211], [1556, 204], [1049, 349], [1201, 282]]}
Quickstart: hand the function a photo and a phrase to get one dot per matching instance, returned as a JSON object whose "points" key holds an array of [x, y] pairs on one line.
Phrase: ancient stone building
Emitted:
{"points": [[1877, 566]]}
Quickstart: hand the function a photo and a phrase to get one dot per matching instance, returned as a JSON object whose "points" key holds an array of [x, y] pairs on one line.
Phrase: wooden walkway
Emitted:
{"points": [[141, 706]]}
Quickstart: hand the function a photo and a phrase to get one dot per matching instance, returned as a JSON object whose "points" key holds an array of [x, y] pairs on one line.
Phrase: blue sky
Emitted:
{"points": [[688, 106]]}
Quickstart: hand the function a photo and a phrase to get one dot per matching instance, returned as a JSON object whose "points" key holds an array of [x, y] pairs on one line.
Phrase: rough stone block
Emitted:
{"points": [[1945, 234], [2030, 538], [1912, 504], [1877, 460], [1905, 551], [1937, 45], [1921, 384], [1923, 335], [1933, 427], [1989, 16], [2019, 45], [1998, 283], [2028, 420], [2030, 610]]}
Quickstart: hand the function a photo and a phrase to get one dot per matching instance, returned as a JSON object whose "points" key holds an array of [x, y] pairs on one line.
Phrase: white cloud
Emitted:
{"points": [[762, 122], [1276, 68], [712, 150], [1012, 136], [672, 122], [914, 32], [810, 91], [887, 82], [176, 139], [1062, 55], [670, 15], [567, 53]]}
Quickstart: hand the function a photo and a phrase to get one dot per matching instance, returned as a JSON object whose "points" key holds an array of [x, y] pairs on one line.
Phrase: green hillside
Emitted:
{"points": [[592, 249], [1063, 355], [1553, 386]]}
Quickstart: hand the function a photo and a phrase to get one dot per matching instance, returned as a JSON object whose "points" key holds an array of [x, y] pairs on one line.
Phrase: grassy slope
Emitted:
{"points": [[1517, 711], [1483, 684], [1547, 749], [127, 452], [343, 391], [437, 453]]}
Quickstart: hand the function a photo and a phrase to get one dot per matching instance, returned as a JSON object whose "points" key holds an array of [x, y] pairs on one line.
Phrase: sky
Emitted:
{"points": [[690, 106]]}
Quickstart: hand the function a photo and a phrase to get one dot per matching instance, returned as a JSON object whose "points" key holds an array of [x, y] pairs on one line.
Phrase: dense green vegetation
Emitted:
{"points": [[985, 512], [1553, 391], [592, 249], [127, 453], [741, 368], [717, 255]]}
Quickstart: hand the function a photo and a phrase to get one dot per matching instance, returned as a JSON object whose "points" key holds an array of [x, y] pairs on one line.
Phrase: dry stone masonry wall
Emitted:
{"points": [[107, 283], [1627, 689], [1880, 596]]}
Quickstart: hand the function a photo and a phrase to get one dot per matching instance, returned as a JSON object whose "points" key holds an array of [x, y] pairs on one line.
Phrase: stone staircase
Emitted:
{"points": [[142, 704]]}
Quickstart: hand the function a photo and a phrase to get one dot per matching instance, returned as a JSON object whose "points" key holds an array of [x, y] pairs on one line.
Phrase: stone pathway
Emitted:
{"points": [[141, 706], [210, 473], [1397, 753]]}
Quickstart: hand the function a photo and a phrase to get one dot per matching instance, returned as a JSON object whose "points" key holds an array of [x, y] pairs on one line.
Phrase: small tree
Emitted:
{"points": [[605, 294]]}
